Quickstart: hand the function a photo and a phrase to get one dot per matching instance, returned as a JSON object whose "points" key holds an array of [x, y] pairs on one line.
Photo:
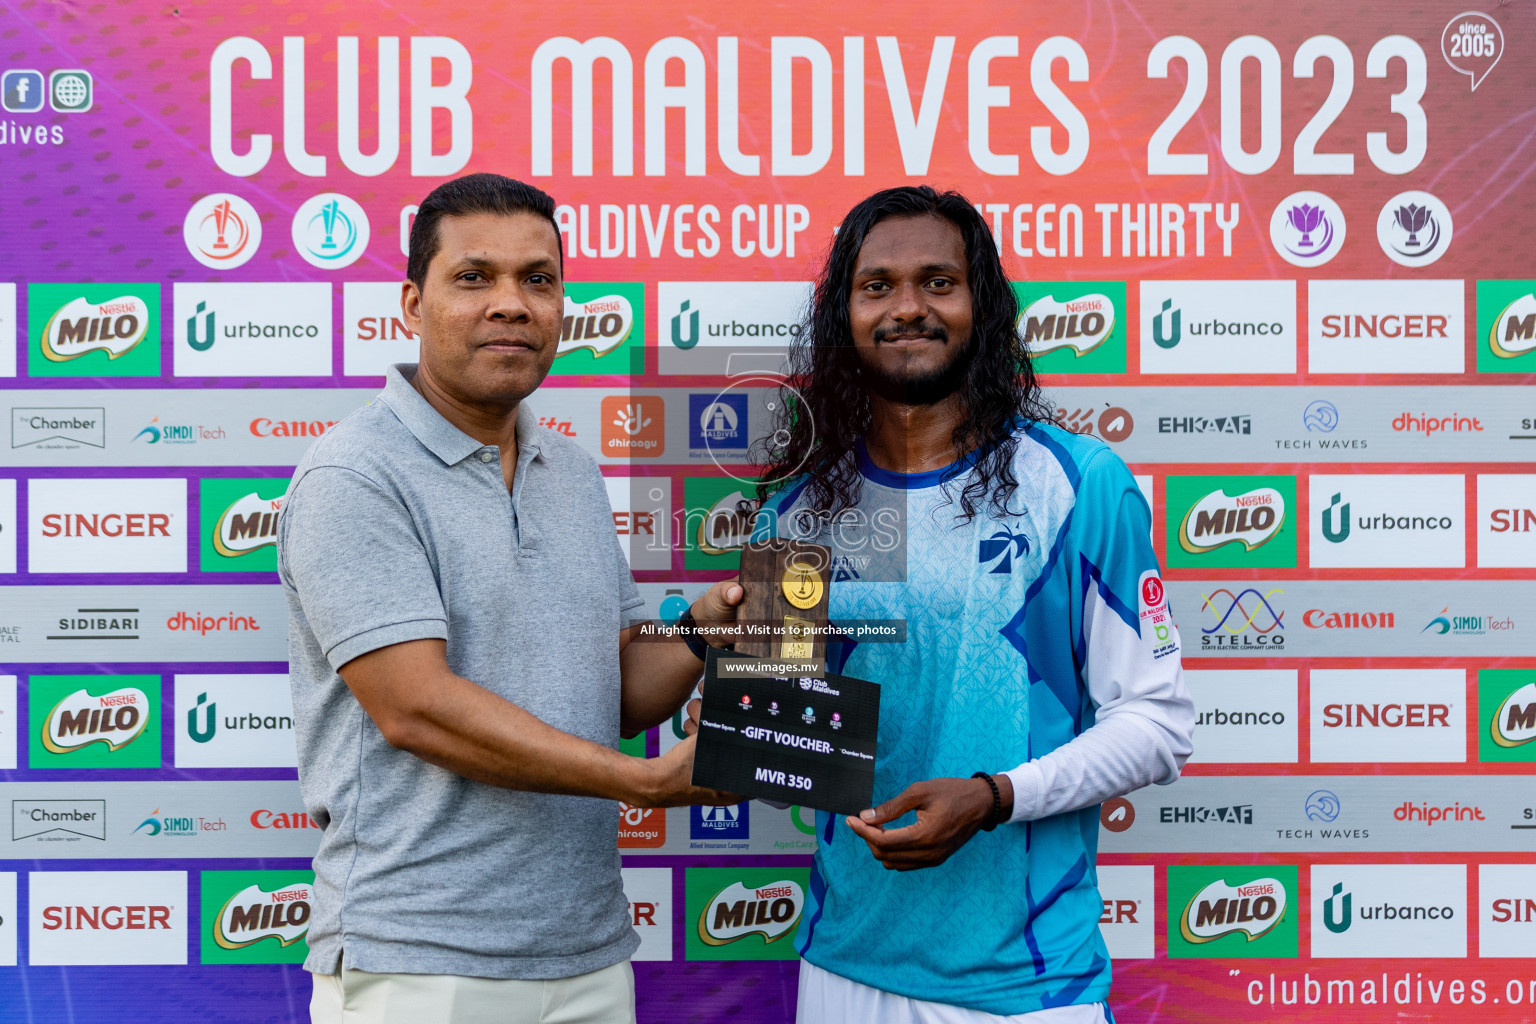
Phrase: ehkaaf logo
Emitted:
{"points": [[89, 330], [1231, 522], [1235, 423], [240, 524], [601, 330], [1221, 912], [94, 721], [1506, 326], [1506, 711], [1232, 814], [744, 913], [256, 917], [1073, 326]]}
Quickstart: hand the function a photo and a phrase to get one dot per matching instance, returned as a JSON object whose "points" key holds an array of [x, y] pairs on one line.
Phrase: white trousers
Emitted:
{"points": [[827, 998], [358, 997]]}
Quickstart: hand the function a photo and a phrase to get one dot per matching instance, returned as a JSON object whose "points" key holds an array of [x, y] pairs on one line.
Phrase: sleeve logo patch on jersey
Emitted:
{"points": [[1156, 617]]}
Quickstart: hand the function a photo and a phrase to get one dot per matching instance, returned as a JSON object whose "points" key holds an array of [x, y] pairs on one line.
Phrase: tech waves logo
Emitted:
{"points": [[115, 719], [1251, 909], [254, 914], [736, 911], [113, 327], [1251, 519], [1080, 324], [599, 325], [1244, 619]]}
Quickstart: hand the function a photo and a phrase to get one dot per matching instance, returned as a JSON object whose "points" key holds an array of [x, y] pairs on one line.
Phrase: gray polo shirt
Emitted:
{"points": [[399, 527]]}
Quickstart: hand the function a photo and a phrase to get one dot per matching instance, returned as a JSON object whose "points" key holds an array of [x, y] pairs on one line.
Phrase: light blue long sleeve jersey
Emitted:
{"points": [[1039, 639]]}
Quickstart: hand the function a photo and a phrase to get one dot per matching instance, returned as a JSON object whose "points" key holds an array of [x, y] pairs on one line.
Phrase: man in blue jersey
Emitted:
{"points": [[1040, 671]]}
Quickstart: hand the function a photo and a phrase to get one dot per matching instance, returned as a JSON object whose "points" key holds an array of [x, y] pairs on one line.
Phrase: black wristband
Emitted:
{"points": [[997, 802], [689, 628]]}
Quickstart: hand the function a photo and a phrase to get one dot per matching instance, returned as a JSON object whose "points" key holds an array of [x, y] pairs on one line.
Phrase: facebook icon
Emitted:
{"points": [[21, 92]]}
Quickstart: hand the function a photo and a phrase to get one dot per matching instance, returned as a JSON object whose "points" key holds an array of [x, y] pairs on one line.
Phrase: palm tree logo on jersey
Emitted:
{"points": [[1003, 547]]}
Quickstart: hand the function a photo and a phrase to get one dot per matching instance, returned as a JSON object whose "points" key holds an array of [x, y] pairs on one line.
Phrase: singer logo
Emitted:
{"points": [[601, 331], [93, 330], [240, 520], [108, 917], [94, 722]]}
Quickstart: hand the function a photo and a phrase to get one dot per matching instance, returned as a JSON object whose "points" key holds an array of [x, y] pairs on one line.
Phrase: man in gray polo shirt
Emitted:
{"points": [[463, 659]]}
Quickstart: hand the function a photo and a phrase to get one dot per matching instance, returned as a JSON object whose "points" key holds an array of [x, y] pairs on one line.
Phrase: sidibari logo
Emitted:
{"points": [[1514, 723], [1514, 330], [254, 914], [247, 525], [1081, 324], [1251, 908], [600, 325], [735, 912], [79, 327], [116, 719], [1250, 519]]}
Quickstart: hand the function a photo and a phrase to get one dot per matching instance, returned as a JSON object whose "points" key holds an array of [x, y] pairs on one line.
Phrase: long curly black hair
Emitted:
{"points": [[824, 404]]}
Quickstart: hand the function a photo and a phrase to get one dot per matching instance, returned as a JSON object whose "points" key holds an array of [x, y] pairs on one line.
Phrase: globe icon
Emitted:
{"points": [[70, 91]]}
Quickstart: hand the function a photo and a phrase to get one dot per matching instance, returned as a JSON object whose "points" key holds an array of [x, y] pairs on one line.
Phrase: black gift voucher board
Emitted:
{"points": [[795, 739]]}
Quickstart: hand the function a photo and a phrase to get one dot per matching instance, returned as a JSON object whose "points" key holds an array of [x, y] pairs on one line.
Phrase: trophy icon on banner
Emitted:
{"points": [[221, 215], [221, 231], [328, 214]]}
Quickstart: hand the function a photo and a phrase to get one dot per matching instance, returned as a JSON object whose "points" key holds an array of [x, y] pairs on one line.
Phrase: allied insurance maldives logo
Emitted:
{"points": [[1217, 912], [256, 917], [94, 722], [1231, 521], [93, 330]]}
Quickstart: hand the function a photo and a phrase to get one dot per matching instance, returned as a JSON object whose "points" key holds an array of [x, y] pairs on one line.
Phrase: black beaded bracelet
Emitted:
{"points": [[689, 627], [997, 802]]}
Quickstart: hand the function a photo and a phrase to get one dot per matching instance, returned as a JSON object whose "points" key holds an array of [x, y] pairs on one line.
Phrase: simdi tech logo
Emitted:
{"points": [[255, 917], [1506, 326], [744, 913], [239, 523], [1073, 327], [93, 721], [93, 330], [603, 330], [1231, 521], [1506, 715], [1219, 912]]}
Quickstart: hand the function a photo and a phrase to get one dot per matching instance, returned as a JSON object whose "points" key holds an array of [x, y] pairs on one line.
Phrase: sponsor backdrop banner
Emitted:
{"points": [[1277, 255]]}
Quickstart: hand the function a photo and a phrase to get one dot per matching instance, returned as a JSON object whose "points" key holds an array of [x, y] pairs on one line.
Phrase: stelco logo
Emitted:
{"points": [[600, 325], [1250, 519], [247, 525], [1251, 908], [116, 719], [80, 327], [1514, 723], [736, 912], [1081, 324], [1514, 330], [253, 914]]}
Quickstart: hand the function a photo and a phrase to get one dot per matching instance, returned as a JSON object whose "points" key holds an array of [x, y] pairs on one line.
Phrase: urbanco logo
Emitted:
{"points": [[1386, 521], [1073, 326], [1506, 326], [1389, 910], [1219, 912], [234, 721], [1244, 716], [94, 721], [93, 330], [1202, 327], [744, 913], [107, 526], [222, 231], [1230, 521], [250, 329], [1386, 326]]}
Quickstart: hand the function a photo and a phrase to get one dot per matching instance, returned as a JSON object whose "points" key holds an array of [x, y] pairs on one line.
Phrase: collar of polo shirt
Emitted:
{"points": [[440, 437]]}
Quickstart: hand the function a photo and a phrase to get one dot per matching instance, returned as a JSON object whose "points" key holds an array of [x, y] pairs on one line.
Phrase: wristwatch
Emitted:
{"points": [[689, 627]]}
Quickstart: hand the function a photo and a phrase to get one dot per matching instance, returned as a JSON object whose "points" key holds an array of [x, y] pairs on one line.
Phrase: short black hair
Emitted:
{"points": [[473, 193]]}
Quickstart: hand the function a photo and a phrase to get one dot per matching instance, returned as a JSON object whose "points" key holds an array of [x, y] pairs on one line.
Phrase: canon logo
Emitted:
{"points": [[112, 524], [263, 427], [1392, 716], [283, 819], [140, 918], [1317, 618]]}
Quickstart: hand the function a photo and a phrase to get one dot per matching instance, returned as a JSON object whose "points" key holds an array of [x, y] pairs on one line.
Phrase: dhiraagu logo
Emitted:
{"points": [[1231, 521], [603, 330], [93, 330], [1220, 912], [744, 913], [239, 524], [1073, 327], [1506, 326], [256, 917]]}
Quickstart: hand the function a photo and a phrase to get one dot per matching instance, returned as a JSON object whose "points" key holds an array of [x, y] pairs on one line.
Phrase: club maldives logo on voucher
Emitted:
{"points": [[94, 721], [239, 519], [256, 917], [93, 330]]}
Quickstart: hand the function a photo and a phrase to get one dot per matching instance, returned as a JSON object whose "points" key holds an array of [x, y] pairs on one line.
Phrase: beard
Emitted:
{"points": [[909, 385]]}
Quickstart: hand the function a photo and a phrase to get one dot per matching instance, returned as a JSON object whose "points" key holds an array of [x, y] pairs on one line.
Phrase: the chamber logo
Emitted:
{"points": [[113, 327], [1250, 909], [115, 719], [254, 914], [1250, 519], [736, 911]]}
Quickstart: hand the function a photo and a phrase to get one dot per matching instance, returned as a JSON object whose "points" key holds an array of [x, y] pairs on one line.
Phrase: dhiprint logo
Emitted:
{"points": [[1237, 327], [1414, 229], [1245, 619], [1389, 910], [94, 721], [1002, 548], [222, 231], [87, 330], [1073, 326], [330, 231], [252, 329], [1307, 229], [1383, 521], [1230, 521], [1231, 912]]}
